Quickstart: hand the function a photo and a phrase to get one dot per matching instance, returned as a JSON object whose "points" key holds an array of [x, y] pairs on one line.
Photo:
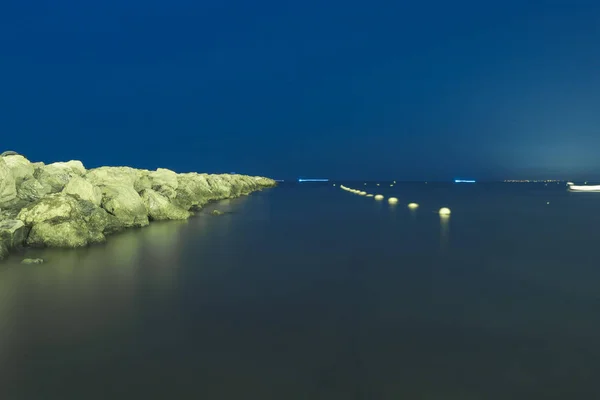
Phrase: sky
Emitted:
{"points": [[403, 90]]}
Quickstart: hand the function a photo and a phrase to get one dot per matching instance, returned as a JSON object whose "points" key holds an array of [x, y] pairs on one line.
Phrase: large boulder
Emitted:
{"points": [[8, 187], [124, 176], [160, 208], [84, 190], [54, 177], [62, 220], [193, 191], [126, 205], [31, 190], [164, 181], [12, 235], [20, 167], [219, 186], [9, 153]]}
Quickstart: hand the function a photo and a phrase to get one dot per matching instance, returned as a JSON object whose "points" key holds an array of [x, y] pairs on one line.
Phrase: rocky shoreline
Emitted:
{"points": [[63, 204]]}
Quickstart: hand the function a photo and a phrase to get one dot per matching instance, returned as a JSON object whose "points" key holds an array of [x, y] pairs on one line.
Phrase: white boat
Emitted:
{"points": [[583, 188]]}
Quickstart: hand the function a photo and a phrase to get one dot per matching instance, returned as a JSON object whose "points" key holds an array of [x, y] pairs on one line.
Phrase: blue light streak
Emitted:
{"points": [[464, 181], [313, 180]]}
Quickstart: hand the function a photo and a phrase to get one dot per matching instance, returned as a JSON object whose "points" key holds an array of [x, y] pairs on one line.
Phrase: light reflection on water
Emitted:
{"points": [[309, 292]]}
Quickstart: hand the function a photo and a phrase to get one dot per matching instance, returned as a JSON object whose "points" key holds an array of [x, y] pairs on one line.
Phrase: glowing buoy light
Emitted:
{"points": [[413, 205], [444, 211], [392, 200], [379, 197]]}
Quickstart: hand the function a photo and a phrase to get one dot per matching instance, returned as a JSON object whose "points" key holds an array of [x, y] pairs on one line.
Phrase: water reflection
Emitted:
{"points": [[444, 231], [84, 293]]}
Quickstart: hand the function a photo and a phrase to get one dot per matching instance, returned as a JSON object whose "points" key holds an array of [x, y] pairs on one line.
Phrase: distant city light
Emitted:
{"points": [[531, 180]]}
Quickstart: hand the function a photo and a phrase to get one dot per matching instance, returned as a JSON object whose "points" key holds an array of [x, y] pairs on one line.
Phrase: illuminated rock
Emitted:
{"points": [[12, 235], [61, 220], [20, 167], [159, 208], [164, 181], [32, 261], [392, 200], [8, 187], [84, 189], [413, 206], [444, 211], [378, 197], [64, 205]]}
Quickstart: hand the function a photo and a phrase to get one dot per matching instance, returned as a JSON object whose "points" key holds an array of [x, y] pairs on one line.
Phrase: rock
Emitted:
{"points": [[3, 251], [216, 212], [31, 190], [84, 190], [13, 233], [159, 208], [54, 177], [63, 205], [8, 187], [62, 220], [9, 153], [20, 167], [193, 191], [165, 182], [32, 261], [125, 176], [126, 205], [219, 186]]}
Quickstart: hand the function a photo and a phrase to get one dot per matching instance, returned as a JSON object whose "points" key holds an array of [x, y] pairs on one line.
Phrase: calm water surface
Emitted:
{"points": [[309, 292]]}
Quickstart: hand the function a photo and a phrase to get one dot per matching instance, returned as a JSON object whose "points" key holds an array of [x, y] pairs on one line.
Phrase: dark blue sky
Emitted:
{"points": [[339, 89]]}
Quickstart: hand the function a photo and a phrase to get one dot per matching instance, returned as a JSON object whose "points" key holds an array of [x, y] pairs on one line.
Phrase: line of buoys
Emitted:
{"points": [[443, 212]]}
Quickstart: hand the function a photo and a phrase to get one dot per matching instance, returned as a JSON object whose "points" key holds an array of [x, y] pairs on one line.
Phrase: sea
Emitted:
{"points": [[307, 291]]}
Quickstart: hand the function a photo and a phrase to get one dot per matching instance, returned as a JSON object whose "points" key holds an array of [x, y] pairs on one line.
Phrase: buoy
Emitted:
{"points": [[413, 205], [379, 197], [444, 211], [392, 200]]}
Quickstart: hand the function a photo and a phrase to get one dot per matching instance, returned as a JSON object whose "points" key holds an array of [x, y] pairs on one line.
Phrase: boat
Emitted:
{"points": [[583, 188]]}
